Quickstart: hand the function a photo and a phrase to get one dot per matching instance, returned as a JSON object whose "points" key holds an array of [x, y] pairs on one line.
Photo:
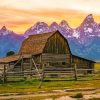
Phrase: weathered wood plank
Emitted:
{"points": [[48, 57], [4, 74]]}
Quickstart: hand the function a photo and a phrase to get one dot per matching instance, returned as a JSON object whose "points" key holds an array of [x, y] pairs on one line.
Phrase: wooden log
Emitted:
{"points": [[75, 72], [36, 68], [31, 65], [4, 75], [17, 61], [22, 65], [43, 76], [55, 57]]}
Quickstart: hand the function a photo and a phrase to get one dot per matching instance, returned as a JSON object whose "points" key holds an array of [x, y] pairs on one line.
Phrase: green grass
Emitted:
{"points": [[32, 85]]}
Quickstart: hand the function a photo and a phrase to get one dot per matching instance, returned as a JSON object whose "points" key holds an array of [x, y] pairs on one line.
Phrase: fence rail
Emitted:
{"points": [[52, 72]]}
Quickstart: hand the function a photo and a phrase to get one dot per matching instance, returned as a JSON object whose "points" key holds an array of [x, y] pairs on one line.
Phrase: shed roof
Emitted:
{"points": [[14, 58], [84, 58], [9, 59]]}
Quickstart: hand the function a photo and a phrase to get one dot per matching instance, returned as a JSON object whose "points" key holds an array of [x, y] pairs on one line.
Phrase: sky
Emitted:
{"points": [[19, 15]]}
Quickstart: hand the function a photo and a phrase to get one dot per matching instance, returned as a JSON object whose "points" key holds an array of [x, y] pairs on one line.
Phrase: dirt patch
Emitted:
{"points": [[66, 98], [87, 97], [59, 95]]}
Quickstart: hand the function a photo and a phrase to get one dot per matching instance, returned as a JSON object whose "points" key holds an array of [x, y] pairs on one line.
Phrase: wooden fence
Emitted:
{"points": [[51, 72]]}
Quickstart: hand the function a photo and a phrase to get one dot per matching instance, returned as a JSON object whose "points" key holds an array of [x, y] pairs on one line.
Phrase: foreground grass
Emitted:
{"points": [[31, 86]]}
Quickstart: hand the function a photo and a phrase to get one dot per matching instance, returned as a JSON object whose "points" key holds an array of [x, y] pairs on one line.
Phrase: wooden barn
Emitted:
{"points": [[41, 51], [50, 48]]}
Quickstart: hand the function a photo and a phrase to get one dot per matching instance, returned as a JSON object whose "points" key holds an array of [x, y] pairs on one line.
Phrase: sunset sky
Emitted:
{"points": [[19, 15]]}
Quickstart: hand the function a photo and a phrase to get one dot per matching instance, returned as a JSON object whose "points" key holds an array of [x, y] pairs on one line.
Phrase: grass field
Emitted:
{"points": [[32, 85]]}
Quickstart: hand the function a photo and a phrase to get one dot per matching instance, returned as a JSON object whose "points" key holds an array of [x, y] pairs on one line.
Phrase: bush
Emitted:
{"points": [[10, 53], [78, 95]]}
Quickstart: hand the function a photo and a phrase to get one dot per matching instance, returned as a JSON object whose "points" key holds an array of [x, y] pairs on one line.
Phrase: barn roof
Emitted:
{"points": [[9, 59], [35, 44], [13, 58], [83, 58]]}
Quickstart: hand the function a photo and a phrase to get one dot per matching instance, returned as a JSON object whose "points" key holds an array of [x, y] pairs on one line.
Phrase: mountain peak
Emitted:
{"points": [[38, 28], [5, 31], [89, 19], [40, 23], [64, 23], [54, 26], [87, 26], [54, 23], [4, 28], [90, 16]]}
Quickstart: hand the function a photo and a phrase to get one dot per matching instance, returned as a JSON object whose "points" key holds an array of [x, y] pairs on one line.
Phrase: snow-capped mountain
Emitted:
{"points": [[9, 41], [54, 26], [38, 28], [65, 29], [4, 31], [85, 41], [41, 27], [88, 28]]}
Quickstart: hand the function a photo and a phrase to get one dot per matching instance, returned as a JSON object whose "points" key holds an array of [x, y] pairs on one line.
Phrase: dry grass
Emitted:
{"points": [[32, 86], [97, 65]]}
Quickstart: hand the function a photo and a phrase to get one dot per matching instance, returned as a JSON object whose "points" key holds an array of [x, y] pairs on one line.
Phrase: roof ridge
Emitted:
{"points": [[42, 33]]}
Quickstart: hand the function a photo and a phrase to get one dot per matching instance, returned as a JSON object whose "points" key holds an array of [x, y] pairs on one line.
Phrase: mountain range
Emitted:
{"points": [[9, 41], [84, 40]]}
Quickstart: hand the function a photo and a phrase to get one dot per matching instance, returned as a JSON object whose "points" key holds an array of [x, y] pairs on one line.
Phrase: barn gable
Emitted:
{"points": [[57, 44], [37, 44]]}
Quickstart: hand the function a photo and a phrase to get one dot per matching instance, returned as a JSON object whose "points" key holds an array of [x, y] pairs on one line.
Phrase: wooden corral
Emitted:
{"points": [[48, 52]]}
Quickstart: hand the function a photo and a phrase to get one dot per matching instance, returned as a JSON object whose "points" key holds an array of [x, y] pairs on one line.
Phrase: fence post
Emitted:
{"points": [[4, 74], [22, 65], [75, 72], [43, 75], [31, 65]]}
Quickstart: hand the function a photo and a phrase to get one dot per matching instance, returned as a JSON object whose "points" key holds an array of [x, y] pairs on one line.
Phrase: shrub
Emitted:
{"points": [[78, 95], [10, 53]]}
